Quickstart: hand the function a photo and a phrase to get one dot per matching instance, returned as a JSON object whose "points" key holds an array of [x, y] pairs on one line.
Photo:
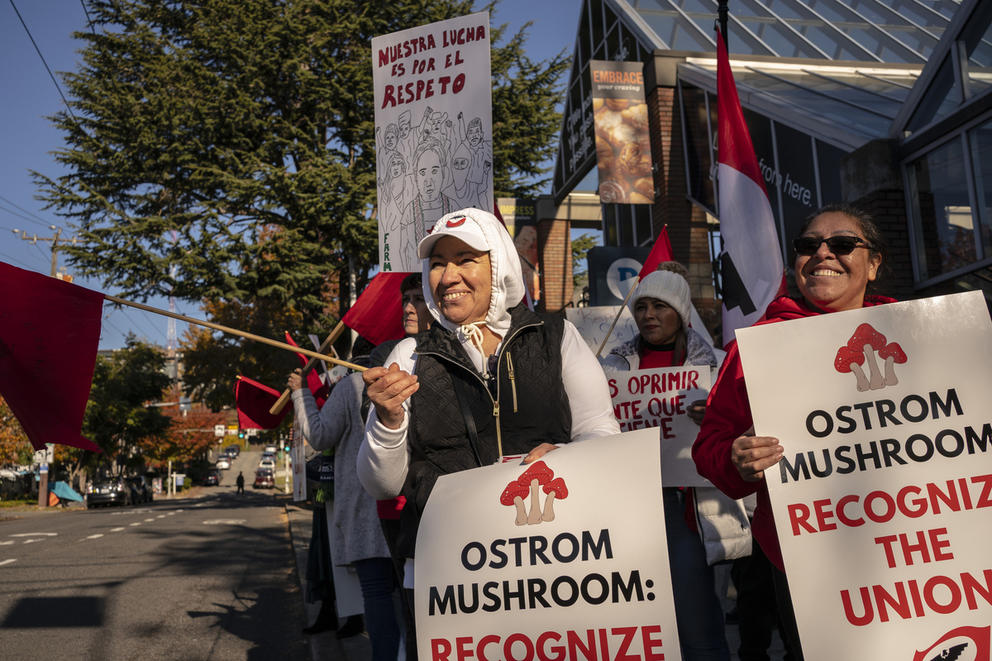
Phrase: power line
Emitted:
{"points": [[23, 210], [89, 21], [23, 217], [47, 68]]}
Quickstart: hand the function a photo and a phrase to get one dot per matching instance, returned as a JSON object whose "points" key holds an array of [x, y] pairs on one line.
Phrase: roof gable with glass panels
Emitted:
{"points": [[845, 103]]}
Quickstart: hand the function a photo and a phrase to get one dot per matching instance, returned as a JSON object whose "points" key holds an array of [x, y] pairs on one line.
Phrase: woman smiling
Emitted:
{"points": [[837, 254], [490, 378]]}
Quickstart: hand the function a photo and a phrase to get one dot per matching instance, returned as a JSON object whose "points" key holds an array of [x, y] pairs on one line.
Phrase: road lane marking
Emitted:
{"points": [[149, 520], [117, 529], [6, 543], [160, 516], [34, 534], [96, 536], [220, 522], [136, 523], [7, 561], [31, 541]]}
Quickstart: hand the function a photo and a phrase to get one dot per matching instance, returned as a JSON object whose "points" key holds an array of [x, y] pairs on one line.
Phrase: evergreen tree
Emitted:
{"points": [[223, 150]]}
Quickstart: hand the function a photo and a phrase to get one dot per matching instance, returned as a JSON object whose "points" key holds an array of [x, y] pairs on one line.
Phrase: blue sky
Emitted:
{"points": [[28, 138]]}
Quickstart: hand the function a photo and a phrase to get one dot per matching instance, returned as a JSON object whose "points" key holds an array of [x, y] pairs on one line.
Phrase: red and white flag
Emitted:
{"points": [[751, 262]]}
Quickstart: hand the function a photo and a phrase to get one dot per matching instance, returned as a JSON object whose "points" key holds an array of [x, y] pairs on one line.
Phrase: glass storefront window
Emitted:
{"points": [[796, 179], [697, 145], [944, 225], [980, 142], [828, 160]]}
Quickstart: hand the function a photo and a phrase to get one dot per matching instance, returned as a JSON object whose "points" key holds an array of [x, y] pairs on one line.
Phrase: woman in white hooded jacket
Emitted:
{"points": [[489, 379]]}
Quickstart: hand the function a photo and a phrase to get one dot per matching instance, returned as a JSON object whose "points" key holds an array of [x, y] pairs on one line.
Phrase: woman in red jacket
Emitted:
{"points": [[839, 251]]}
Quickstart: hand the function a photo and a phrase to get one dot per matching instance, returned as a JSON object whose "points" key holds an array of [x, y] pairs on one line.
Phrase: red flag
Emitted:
{"points": [[319, 389], [48, 327], [751, 262], [254, 400], [377, 315], [661, 251]]}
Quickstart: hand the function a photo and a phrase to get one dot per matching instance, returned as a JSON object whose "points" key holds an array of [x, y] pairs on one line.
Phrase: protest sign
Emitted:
{"points": [[433, 118], [593, 323], [883, 496], [659, 399], [559, 559]]}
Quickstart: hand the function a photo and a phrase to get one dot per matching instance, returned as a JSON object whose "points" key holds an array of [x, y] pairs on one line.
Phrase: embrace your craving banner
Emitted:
{"points": [[433, 128], [883, 496], [563, 558], [659, 399], [623, 141]]}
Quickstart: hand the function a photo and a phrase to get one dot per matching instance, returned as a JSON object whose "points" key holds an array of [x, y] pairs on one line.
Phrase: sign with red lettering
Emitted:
{"points": [[660, 398], [559, 559], [433, 128], [883, 496]]}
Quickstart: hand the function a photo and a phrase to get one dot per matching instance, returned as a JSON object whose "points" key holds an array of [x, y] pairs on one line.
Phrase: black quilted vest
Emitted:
{"points": [[533, 406]]}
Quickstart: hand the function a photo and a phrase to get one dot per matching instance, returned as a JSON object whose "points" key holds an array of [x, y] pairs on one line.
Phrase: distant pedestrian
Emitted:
{"points": [[240, 482]]}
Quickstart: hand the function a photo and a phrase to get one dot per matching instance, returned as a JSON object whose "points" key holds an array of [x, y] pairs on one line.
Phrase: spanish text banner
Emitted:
{"points": [[433, 119], [660, 399]]}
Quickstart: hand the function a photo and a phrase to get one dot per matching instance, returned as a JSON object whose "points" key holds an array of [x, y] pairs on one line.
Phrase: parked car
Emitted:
{"points": [[141, 490], [233, 451], [267, 463], [223, 463], [108, 491], [269, 455], [264, 479], [212, 478]]}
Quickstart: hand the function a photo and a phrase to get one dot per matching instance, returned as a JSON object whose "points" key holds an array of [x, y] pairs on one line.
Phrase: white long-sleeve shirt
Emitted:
{"points": [[384, 458]]}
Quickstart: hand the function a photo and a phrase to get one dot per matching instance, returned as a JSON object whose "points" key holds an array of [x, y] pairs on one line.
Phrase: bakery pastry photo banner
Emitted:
{"points": [[623, 144]]}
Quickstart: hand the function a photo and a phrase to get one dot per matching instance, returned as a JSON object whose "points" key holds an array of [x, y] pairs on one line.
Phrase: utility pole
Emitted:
{"points": [[34, 238]]}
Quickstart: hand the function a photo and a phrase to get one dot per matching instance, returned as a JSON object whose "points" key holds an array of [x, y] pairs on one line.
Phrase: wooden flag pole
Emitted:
{"points": [[617, 318], [234, 331], [331, 339]]}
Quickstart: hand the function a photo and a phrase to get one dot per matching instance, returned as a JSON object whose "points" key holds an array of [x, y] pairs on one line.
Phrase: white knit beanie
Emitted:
{"points": [[668, 287]]}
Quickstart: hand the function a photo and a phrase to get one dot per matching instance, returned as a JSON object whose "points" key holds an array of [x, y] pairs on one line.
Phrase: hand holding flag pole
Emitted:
{"points": [[660, 252], [327, 345]]}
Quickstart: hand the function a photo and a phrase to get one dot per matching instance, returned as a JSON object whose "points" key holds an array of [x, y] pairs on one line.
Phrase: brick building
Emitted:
{"points": [[886, 105]]}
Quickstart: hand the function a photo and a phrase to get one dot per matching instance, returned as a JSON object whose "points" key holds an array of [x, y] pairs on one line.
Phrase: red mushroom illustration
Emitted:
{"points": [[514, 494], [534, 477], [892, 353], [555, 489], [851, 360], [869, 340]]}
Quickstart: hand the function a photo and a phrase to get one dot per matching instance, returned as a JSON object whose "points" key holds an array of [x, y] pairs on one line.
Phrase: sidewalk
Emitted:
{"points": [[323, 646]]}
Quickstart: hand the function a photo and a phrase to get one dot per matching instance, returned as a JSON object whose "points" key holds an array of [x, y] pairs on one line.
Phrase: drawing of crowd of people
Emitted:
{"points": [[425, 171]]}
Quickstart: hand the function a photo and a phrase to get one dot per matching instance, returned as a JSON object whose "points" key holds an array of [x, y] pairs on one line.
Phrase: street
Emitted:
{"points": [[209, 577]]}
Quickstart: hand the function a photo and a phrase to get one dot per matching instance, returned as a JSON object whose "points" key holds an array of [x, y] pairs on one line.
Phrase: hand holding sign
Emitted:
{"points": [[752, 454]]}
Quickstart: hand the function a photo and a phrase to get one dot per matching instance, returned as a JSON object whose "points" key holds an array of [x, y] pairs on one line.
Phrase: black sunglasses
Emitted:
{"points": [[838, 245]]}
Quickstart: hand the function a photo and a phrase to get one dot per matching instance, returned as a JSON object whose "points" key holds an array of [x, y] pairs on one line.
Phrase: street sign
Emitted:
{"points": [[219, 430]]}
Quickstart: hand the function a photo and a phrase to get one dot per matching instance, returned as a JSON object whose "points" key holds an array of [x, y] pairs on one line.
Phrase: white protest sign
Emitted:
{"points": [[883, 497], [560, 559], [433, 118], [594, 322], [660, 399]]}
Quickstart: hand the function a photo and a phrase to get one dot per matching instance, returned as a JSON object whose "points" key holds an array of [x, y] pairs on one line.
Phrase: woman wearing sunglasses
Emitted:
{"points": [[838, 253]]}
